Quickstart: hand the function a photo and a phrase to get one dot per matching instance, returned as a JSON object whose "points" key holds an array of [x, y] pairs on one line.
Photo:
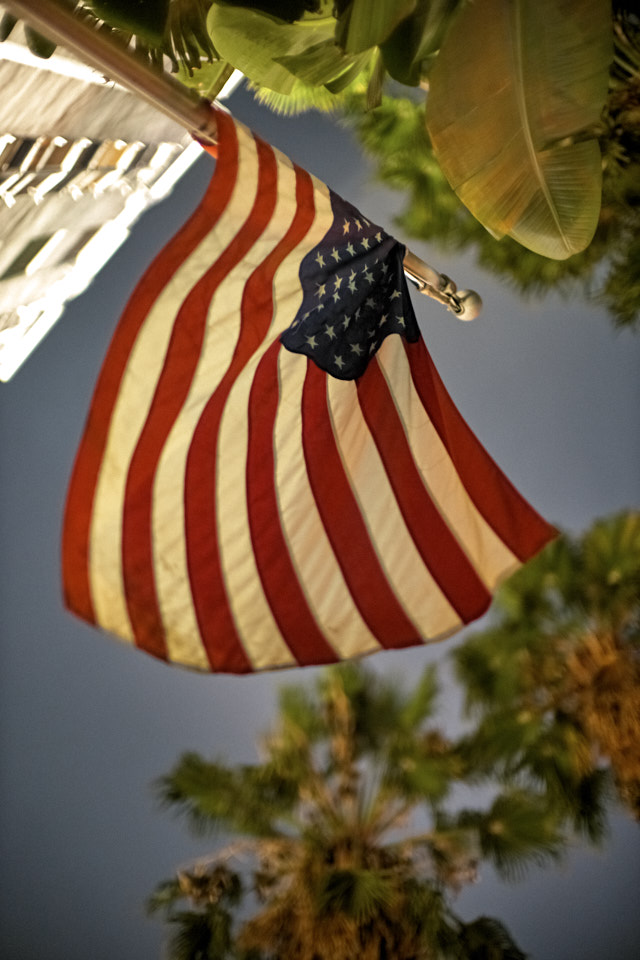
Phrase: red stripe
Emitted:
{"points": [[80, 497], [440, 551], [277, 573], [215, 621], [516, 523], [344, 523]]}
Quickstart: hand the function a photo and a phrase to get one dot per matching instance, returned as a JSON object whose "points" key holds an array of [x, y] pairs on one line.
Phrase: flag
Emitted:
{"points": [[272, 473]]}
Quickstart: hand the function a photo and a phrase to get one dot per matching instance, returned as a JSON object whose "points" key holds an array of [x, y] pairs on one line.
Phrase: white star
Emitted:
{"points": [[365, 243], [356, 348], [312, 341], [330, 332], [336, 296], [337, 283], [383, 320], [320, 260], [346, 321], [395, 295], [368, 276], [350, 250], [345, 227], [352, 286], [379, 237], [339, 362], [358, 225], [370, 302], [400, 320], [335, 255], [385, 267], [321, 289], [320, 307]]}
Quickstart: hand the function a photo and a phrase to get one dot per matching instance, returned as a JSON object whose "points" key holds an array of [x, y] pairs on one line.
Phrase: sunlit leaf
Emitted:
{"points": [[365, 24], [353, 74], [514, 93], [253, 42], [322, 63]]}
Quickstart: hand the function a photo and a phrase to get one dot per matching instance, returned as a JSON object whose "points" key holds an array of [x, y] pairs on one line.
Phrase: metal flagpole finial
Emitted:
{"points": [[56, 20], [465, 304]]}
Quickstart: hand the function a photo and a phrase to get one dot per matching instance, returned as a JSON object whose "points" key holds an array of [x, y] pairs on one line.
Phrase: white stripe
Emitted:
{"points": [[486, 551], [134, 401], [416, 590], [310, 550]]}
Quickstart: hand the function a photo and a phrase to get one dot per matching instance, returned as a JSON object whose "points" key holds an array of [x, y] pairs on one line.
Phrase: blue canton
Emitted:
{"points": [[354, 295]]}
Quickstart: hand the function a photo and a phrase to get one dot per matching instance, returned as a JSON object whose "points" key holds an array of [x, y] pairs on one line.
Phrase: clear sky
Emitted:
{"points": [[87, 724]]}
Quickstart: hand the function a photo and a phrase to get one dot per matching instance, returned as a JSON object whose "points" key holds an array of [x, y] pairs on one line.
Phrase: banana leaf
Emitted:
{"points": [[254, 42], [324, 63], [416, 39], [364, 24], [515, 94]]}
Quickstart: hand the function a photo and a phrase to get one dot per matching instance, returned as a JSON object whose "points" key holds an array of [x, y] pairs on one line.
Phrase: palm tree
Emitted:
{"points": [[555, 682], [344, 843]]}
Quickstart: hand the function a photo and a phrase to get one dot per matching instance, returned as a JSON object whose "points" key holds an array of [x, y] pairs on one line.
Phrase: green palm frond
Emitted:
{"points": [[488, 939], [518, 831], [359, 894], [250, 800]]}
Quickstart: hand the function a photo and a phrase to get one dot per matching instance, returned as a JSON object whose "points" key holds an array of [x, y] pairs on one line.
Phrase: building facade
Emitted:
{"points": [[80, 160]]}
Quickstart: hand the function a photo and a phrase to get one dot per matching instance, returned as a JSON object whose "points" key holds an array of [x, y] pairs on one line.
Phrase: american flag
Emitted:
{"points": [[272, 473]]}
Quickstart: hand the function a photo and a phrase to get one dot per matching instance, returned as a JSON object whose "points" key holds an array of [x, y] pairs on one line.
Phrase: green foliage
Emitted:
{"points": [[326, 825], [519, 830], [395, 135], [250, 800], [487, 939], [512, 117], [205, 933], [516, 106], [145, 18], [208, 80], [358, 893], [363, 24], [254, 42], [554, 683], [411, 48]]}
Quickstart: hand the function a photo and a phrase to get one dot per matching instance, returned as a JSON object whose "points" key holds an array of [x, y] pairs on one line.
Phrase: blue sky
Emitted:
{"points": [[86, 724]]}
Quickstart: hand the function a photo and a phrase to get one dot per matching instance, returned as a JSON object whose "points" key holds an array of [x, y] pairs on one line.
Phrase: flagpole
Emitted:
{"points": [[57, 21]]}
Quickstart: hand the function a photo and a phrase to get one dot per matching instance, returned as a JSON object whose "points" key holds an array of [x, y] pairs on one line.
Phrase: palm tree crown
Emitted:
{"points": [[343, 824]]}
